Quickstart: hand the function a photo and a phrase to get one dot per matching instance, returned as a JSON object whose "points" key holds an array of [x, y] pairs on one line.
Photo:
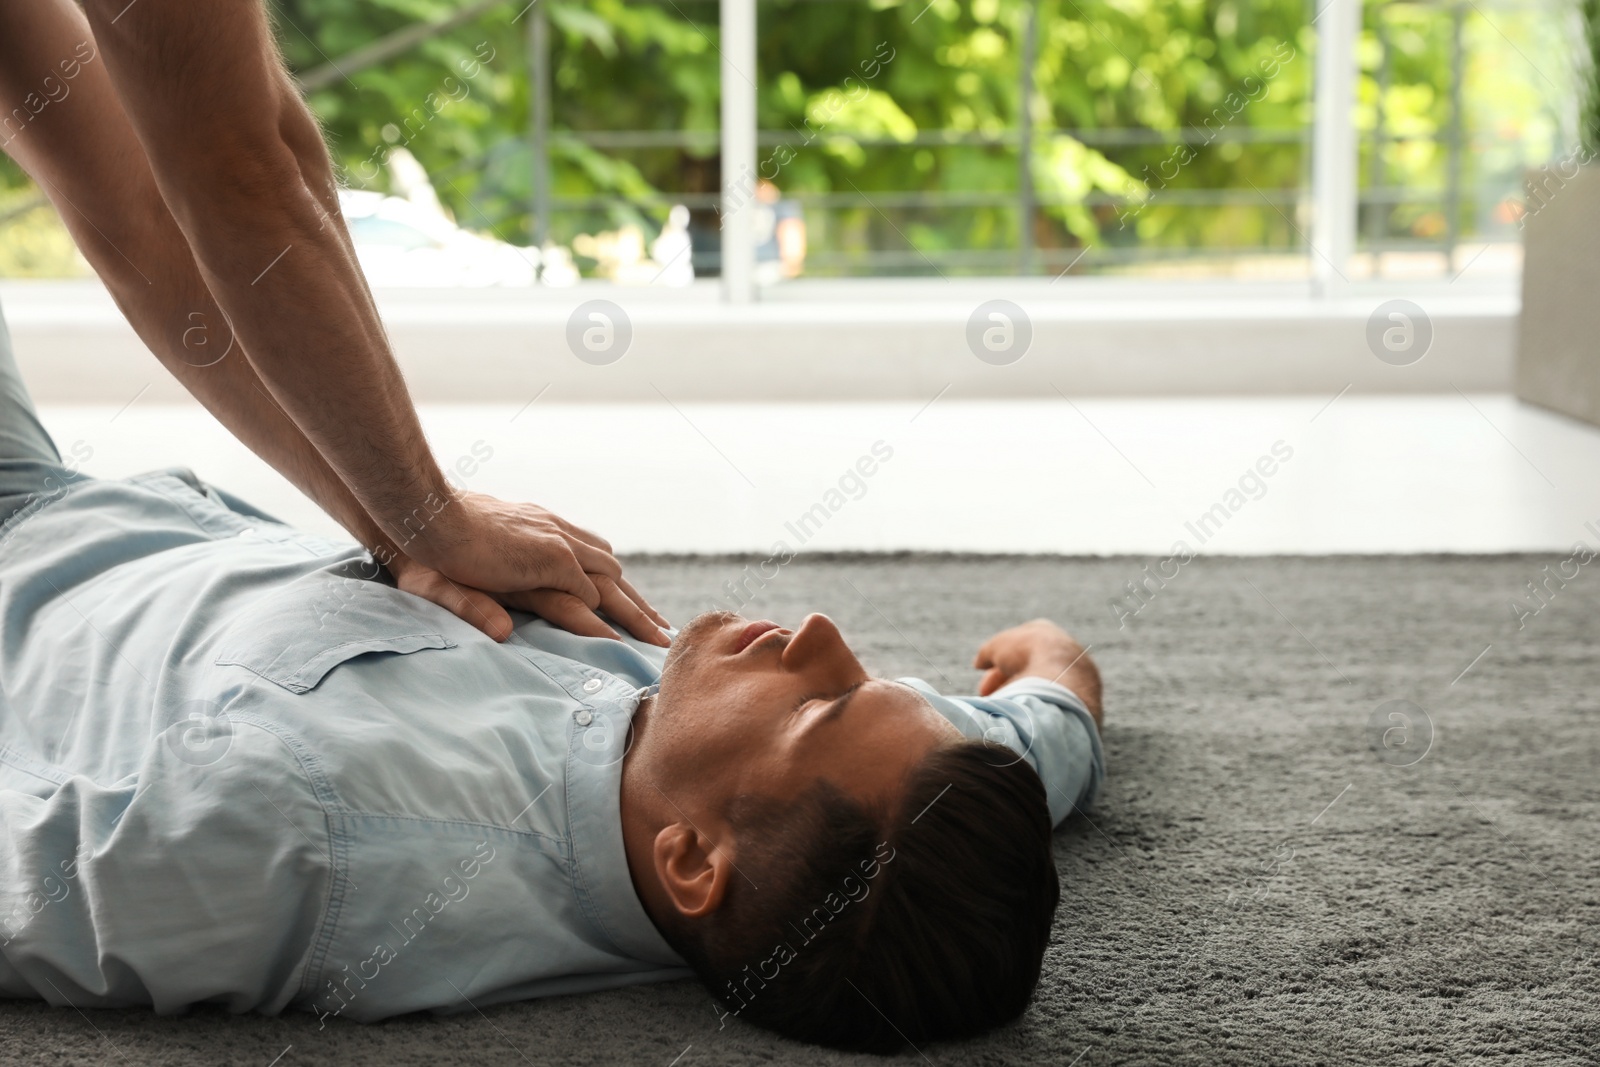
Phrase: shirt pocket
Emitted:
{"points": [[294, 637]]}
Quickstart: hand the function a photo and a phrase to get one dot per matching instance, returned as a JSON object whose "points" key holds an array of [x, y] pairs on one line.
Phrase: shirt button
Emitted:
{"points": [[583, 717], [592, 685]]}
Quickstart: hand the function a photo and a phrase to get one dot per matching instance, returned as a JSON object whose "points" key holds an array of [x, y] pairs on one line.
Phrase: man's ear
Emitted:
{"points": [[692, 869]]}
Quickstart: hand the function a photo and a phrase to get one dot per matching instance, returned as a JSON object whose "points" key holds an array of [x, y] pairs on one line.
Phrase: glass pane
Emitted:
{"points": [[631, 105], [1164, 138], [1457, 101], [435, 138]]}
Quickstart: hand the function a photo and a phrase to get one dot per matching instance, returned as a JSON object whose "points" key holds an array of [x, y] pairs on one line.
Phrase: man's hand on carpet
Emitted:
{"points": [[1039, 649]]}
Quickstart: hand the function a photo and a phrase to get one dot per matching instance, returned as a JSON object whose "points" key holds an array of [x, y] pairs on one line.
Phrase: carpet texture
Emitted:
{"points": [[1262, 882]]}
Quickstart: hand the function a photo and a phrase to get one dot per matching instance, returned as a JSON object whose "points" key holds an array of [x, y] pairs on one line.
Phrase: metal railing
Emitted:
{"points": [[1343, 213], [1331, 190]]}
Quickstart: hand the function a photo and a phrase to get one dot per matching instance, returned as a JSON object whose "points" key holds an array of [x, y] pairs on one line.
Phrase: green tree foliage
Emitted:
{"points": [[614, 66], [1157, 127], [1118, 89], [1425, 176], [1589, 73]]}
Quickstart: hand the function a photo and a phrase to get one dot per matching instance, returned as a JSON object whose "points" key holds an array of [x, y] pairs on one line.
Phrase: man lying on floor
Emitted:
{"points": [[238, 766]]}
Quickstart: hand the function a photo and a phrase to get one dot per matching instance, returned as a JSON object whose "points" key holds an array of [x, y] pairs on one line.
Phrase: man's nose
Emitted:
{"points": [[819, 647]]}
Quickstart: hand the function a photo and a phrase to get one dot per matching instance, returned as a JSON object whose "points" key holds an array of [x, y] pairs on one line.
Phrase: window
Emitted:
{"points": [[1142, 139], [1456, 102]]}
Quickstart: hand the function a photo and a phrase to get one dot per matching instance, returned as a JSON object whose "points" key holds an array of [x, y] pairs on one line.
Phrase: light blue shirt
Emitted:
{"points": [[237, 766]]}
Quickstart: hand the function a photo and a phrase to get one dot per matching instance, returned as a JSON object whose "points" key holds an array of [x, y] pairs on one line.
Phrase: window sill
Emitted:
{"points": [[845, 340]]}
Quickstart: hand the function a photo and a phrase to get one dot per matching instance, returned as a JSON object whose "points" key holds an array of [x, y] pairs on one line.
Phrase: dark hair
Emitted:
{"points": [[865, 930]]}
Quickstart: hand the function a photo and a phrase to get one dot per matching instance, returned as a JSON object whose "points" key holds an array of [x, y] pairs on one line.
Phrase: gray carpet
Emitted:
{"points": [[1258, 885]]}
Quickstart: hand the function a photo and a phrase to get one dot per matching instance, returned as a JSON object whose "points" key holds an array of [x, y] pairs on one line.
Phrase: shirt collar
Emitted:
{"points": [[598, 738]]}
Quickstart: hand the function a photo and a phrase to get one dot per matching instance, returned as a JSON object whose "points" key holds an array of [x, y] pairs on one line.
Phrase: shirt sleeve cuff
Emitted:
{"points": [[1045, 689]]}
